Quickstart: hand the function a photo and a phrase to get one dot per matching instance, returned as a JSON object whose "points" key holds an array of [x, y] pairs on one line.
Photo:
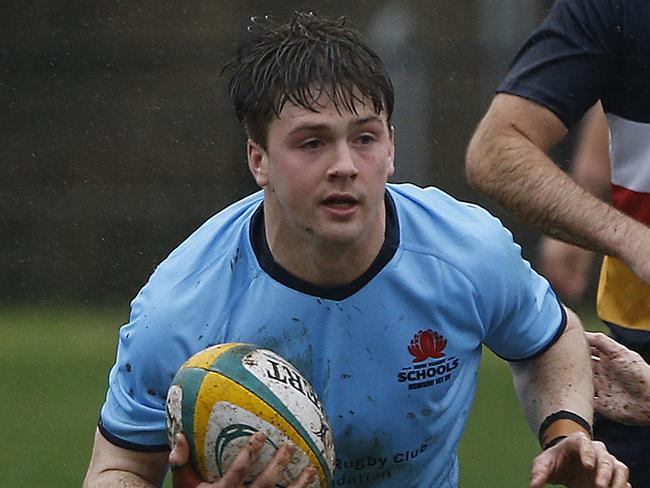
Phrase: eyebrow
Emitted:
{"points": [[321, 127]]}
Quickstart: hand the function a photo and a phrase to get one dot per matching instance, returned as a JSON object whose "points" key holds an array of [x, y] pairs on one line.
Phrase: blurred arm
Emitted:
{"points": [[113, 466], [506, 159], [622, 381], [591, 164]]}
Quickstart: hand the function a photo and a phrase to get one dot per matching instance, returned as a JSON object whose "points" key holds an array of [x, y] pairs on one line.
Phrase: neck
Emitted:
{"points": [[327, 264], [331, 267]]}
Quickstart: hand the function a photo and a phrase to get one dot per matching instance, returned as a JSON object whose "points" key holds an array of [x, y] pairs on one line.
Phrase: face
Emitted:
{"points": [[324, 174]]}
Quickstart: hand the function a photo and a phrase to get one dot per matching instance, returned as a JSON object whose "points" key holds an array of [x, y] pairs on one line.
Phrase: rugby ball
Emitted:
{"points": [[224, 394]]}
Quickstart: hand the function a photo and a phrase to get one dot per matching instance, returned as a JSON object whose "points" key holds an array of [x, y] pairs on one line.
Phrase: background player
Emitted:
{"points": [[621, 377], [381, 294], [584, 51]]}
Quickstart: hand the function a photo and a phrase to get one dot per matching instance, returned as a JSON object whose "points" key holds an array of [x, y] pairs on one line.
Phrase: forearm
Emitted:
{"points": [[112, 466], [117, 479], [560, 379], [506, 159]]}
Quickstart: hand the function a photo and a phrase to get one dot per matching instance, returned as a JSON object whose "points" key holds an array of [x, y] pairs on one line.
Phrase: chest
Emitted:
{"points": [[396, 376]]}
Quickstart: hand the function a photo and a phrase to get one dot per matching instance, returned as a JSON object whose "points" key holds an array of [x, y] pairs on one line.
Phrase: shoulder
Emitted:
{"points": [[222, 226], [217, 255], [215, 240], [461, 234], [470, 253], [572, 17], [576, 50], [429, 215]]}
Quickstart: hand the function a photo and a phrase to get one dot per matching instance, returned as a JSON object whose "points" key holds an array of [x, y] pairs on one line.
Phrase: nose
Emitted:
{"points": [[343, 162]]}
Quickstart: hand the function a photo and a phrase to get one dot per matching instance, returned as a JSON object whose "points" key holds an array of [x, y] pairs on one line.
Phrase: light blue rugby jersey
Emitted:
{"points": [[393, 356]]}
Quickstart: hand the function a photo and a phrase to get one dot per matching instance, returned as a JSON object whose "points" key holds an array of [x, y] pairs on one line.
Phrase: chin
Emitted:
{"points": [[340, 237]]}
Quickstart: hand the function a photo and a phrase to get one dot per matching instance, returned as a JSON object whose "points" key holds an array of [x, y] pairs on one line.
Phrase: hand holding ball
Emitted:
{"points": [[221, 396]]}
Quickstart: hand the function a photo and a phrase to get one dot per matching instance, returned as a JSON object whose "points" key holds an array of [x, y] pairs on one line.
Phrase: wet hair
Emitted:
{"points": [[298, 61]]}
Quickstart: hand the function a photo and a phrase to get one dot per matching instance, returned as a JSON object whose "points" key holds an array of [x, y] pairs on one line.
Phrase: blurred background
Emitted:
{"points": [[117, 139]]}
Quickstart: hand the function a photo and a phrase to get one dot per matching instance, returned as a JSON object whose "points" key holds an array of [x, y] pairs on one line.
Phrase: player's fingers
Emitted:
{"points": [[605, 470], [611, 473], [306, 477], [620, 476], [601, 342], [596, 361], [274, 473], [180, 453], [598, 380], [587, 450], [183, 475], [595, 353], [540, 470], [240, 467]]}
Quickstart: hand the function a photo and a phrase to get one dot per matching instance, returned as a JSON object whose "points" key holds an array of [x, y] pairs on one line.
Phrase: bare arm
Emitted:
{"points": [[560, 380], [565, 265], [506, 159], [112, 466]]}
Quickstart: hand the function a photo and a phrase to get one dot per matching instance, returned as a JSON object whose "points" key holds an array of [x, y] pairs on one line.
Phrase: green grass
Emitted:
{"points": [[497, 447], [54, 363]]}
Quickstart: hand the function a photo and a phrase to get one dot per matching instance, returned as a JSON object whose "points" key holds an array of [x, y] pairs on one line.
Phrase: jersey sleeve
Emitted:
{"points": [[520, 312], [133, 414], [181, 310], [568, 62]]}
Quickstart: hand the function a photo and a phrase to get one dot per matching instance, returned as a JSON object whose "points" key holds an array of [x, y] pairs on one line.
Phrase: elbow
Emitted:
{"points": [[472, 166], [573, 322], [478, 164]]}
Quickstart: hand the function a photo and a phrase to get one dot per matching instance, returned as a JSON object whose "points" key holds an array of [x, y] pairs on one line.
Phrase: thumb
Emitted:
{"points": [[540, 471], [180, 454], [183, 475]]}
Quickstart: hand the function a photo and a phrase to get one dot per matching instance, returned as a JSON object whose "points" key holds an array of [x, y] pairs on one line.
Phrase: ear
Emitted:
{"points": [[257, 163], [391, 151]]}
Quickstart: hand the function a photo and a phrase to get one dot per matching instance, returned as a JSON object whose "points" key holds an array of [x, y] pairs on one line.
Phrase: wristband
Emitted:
{"points": [[552, 442], [563, 424]]}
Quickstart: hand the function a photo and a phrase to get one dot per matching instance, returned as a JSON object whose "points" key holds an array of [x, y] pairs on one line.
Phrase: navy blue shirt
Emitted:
{"points": [[586, 50]]}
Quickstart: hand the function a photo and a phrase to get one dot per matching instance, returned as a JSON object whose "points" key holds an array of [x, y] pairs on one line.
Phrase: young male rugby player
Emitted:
{"points": [[381, 294]]}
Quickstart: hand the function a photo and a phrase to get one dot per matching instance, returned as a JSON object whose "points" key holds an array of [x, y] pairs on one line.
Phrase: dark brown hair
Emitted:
{"points": [[299, 60]]}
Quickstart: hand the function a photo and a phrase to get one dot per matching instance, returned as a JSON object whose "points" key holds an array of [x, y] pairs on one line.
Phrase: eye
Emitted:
{"points": [[365, 139], [311, 144]]}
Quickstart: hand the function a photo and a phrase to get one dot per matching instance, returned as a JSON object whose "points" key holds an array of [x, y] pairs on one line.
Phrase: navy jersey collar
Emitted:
{"points": [[280, 274]]}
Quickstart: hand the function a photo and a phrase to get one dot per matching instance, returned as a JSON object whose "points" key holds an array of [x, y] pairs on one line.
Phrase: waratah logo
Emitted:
{"points": [[427, 344], [430, 366]]}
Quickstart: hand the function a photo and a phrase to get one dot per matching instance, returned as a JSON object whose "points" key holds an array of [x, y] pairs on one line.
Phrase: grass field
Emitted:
{"points": [[54, 362]]}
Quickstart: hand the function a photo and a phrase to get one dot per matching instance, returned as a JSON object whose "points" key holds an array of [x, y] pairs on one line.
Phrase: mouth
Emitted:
{"points": [[341, 206], [340, 201]]}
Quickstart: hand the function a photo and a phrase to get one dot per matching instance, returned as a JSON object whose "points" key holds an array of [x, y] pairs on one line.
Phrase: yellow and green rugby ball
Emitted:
{"points": [[224, 394]]}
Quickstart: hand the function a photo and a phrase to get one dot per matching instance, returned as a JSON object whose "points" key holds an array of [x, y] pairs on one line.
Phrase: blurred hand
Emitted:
{"points": [[566, 266], [185, 477], [621, 381], [578, 462]]}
